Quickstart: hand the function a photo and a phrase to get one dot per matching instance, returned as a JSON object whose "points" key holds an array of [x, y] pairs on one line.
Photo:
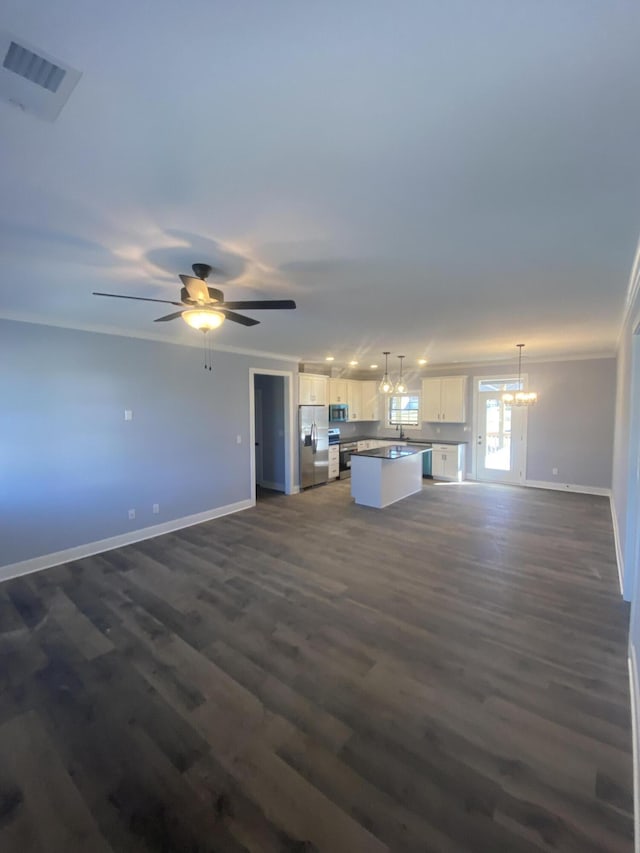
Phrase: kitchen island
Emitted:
{"points": [[384, 475]]}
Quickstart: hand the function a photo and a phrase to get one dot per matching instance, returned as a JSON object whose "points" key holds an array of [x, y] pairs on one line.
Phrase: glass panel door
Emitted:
{"points": [[500, 439]]}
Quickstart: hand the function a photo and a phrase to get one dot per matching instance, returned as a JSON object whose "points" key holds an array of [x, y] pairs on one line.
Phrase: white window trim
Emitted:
{"points": [[405, 427]]}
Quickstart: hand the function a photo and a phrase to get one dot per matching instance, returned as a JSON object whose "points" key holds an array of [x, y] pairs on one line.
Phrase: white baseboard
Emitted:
{"points": [[634, 686], [567, 487], [618, 544], [554, 486], [47, 561]]}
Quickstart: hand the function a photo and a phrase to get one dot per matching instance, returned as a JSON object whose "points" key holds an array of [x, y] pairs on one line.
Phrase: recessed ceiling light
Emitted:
{"points": [[329, 358], [373, 366], [422, 361], [353, 363]]}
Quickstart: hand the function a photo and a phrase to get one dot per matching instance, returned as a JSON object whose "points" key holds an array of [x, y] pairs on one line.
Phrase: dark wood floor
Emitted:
{"points": [[449, 674]]}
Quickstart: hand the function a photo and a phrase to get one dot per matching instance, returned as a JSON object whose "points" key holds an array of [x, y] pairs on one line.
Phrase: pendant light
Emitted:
{"points": [[401, 385], [520, 398], [386, 385]]}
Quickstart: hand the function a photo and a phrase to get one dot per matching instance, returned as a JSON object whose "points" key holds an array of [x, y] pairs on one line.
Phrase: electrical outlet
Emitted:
{"points": [[128, 414], [156, 509], [238, 439], [554, 471], [132, 514]]}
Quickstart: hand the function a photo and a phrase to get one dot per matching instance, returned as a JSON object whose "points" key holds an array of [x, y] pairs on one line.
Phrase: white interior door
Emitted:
{"points": [[500, 433]]}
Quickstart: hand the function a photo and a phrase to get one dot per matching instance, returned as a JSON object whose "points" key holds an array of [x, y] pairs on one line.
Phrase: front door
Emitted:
{"points": [[500, 433]]}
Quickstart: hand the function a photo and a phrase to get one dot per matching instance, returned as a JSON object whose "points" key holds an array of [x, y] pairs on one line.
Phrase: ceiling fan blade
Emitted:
{"points": [[196, 288], [137, 298], [260, 304], [238, 318], [168, 317]]}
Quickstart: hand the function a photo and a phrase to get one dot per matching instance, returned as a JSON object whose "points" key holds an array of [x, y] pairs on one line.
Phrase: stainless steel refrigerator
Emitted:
{"points": [[313, 434]]}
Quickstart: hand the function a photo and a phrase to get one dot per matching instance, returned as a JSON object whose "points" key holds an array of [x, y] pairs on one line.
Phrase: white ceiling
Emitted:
{"points": [[444, 179]]}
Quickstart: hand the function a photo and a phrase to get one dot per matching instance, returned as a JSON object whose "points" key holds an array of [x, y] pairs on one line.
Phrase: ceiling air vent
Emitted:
{"points": [[35, 68], [33, 80]]}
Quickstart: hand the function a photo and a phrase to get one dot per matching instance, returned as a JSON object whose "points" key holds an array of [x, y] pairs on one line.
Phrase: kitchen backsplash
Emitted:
{"points": [[431, 432]]}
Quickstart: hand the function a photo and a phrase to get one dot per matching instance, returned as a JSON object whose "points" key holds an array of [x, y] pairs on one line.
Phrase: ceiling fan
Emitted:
{"points": [[205, 307]]}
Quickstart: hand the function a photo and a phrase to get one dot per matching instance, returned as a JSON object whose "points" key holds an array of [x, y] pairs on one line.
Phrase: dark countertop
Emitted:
{"points": [[350, 439], [393, 451]]}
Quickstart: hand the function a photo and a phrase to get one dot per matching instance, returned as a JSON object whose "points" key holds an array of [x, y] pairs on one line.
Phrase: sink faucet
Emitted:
{"points": [[402, 436]]}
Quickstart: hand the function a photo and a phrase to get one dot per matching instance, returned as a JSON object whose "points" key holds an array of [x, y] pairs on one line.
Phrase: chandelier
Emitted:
{"points": [[520, 398]]}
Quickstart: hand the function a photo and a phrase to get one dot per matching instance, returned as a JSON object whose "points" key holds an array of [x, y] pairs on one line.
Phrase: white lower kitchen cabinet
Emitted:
{"points": [[448, 462], [334, 461]]}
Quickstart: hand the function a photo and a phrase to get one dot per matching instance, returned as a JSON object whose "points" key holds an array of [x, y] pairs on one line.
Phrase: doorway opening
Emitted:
{"points": [[500, 432], [271, 434]]}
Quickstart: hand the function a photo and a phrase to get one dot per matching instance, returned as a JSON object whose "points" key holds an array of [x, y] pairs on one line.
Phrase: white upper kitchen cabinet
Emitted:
{"points": [[338, 391], [312, 389], [354, 399], [444, 399], [370, 402]]}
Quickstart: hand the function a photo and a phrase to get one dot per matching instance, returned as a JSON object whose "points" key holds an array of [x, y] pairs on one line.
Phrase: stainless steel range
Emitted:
{"points": [[346, 449]]}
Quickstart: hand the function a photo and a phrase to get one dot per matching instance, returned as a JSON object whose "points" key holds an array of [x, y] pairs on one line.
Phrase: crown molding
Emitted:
{"points": [[511, 359], [145, 336]]}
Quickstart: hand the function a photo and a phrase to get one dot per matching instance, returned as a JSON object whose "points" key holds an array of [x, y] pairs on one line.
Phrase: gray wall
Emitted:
{"points": [[570, 427], [71, 467], [273, 462]]}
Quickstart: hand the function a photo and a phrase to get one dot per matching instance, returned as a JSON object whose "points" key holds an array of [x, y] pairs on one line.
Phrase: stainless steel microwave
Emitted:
{"points": [[339, 412]]}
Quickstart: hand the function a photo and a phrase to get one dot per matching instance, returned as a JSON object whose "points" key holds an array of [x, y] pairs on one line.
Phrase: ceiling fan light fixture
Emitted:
{"points": [[203, 320]]}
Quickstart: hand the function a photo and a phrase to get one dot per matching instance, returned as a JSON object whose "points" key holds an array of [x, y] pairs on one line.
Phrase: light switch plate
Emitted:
{"points": [[128, 414]]}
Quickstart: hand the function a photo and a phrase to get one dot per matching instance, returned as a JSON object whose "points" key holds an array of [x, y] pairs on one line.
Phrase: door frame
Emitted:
{"points": [[258, 438], [631, 545], [476, 415], [289, 429]]}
